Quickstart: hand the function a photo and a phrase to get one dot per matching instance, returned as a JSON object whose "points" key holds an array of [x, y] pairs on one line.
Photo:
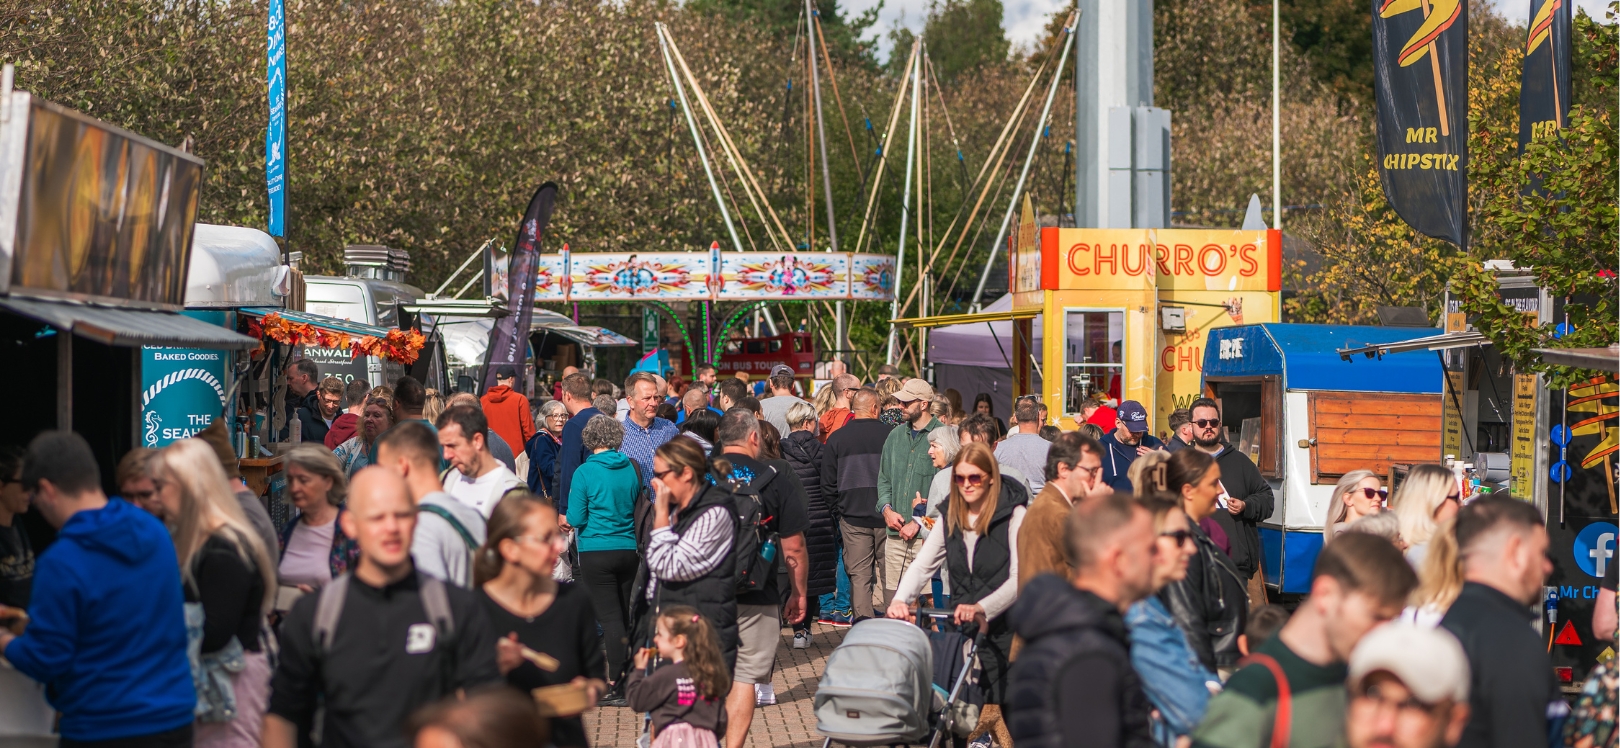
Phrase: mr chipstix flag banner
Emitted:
{"points": [[1544, 82], [1420, 83]]}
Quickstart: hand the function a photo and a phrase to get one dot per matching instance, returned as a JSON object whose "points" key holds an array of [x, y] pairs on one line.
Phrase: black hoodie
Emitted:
{"points": [[1073, 684]]}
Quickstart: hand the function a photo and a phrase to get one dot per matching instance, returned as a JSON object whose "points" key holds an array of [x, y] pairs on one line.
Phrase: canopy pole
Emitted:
{"points": [[697, 139], [905, 201], [1029, 160]]}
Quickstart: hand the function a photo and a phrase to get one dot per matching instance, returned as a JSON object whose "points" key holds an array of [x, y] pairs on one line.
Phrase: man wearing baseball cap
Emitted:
{"points": [[1408, 689], [1129, 440], [775, 407], [905, 474], [508, 413]]}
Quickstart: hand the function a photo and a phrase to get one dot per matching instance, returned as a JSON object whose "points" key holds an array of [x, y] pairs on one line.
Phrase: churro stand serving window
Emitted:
{"points": [[1094, 356]]}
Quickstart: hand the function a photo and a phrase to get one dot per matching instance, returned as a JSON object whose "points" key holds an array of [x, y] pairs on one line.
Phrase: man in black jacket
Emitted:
{"points": [[385, 658], [1248, 500], [849, 478], [1502, 545], [1073, 684]]}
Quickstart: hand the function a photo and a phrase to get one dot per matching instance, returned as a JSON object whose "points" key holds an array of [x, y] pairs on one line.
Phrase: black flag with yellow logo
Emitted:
{"points": [[1420, 79], [1544, 84]]}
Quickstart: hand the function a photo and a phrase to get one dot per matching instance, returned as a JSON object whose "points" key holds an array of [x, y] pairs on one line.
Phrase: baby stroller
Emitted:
{"points": [[879, 686]]}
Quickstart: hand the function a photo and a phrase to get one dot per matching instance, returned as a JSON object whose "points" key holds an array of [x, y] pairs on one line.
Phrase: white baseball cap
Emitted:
{"points": [[1428, 660]]}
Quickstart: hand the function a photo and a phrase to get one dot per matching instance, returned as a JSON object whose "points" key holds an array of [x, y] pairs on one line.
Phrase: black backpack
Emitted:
{"points": [[755, 545]]}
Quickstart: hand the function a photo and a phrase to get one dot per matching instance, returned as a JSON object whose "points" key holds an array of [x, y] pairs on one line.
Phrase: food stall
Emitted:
{"points": [[1307, 416], [555, 342], [1127, 312], [96, 239]]}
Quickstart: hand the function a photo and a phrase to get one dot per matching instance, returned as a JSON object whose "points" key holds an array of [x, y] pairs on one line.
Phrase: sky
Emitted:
{"points": [[1023, 20]]}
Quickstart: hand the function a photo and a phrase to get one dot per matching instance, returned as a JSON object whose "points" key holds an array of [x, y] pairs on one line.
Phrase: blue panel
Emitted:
{"points": [[1307, 357], [1271, 549]]}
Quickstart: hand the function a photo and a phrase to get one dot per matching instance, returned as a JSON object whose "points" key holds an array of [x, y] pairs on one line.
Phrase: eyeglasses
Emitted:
{"points": [[1091, 471], [973, 479], [1382, 493], [1207, 423], [659, 474], [1181, 536]]}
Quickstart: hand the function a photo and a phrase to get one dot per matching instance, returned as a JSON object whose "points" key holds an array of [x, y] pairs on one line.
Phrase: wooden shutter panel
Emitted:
{"points": [[1355, 430]]}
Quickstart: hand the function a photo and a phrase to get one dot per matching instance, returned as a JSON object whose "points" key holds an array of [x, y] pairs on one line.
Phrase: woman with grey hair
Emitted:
{"points": [[802, 450], [543, 447], [943, 446], [601, 508]]}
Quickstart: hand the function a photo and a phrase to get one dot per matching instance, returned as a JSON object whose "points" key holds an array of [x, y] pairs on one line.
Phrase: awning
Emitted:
{"points": [[129, 327], [598, 337], [1444, 342], [325, 323], [456, 308], [1602, 359], [965, 319]]}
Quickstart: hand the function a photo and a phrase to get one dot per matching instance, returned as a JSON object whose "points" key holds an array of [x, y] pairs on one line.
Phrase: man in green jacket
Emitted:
{"points": [[904, 474]]}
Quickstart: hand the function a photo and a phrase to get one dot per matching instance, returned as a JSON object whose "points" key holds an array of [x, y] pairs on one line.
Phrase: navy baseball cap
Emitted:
{"points": [[1134, 416]]}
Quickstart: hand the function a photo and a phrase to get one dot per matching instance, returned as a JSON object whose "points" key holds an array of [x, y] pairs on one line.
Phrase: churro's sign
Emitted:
{"points": [[1160, 259]]}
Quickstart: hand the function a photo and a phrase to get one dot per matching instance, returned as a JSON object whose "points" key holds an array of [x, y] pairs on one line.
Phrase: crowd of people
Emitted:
{"points": [[646, 545]]}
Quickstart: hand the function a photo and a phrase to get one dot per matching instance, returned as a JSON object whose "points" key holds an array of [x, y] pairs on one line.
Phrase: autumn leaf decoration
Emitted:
{"points": [[401, 346]]}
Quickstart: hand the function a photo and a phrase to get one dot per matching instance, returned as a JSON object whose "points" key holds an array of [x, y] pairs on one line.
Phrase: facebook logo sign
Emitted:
{"points": [[1595, 548]]}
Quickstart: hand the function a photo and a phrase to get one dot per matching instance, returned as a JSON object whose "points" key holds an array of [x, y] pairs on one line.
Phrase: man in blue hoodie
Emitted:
{"points": [[1129, 440], [106, 631]]}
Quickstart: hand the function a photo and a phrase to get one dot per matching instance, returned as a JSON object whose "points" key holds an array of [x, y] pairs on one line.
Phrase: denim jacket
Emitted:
{"points": [[1171, 674]]}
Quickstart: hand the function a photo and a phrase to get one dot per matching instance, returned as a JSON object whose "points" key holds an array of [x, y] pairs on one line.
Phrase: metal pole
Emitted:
{"points": [[1276, 124], [1029, 160], [905, 201], [826, 173], [464, 264], [686, 107]]}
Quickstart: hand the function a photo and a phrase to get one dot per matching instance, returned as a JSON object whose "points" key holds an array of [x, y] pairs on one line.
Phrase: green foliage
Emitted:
{"points": [[1334, 37], [957, 36], [1566, 233]]}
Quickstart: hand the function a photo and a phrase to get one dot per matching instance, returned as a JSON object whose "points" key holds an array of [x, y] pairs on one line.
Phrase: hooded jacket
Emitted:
{"points": [[508, 414], [602, 502], [108, 631], [802, 451], [1073, 684], [1242, 480], [344, 428], [905, 469]]}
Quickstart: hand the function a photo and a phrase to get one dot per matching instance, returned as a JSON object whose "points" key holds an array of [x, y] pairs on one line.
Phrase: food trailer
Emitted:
{"points": [[96, 239], [1307, 416], [368, 298], [1126, 312]]}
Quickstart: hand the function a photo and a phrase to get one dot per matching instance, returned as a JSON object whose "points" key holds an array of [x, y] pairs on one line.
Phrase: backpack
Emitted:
{"points": [[755, 544], [435, 602], [455, 524]]}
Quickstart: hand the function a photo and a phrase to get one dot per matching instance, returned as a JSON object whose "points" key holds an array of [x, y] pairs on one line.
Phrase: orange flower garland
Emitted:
{"points": [[402, 346]]}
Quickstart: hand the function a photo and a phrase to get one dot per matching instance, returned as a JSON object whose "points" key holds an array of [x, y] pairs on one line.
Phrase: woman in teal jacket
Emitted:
{"points": [[601, 509]]}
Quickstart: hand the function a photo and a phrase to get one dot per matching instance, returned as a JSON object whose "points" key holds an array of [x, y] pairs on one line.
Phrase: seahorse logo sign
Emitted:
{"points": [[153, 424]]}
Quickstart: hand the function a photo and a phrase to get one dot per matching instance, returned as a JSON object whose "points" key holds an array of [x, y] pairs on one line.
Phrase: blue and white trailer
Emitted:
{"points": [[1313, 416]]}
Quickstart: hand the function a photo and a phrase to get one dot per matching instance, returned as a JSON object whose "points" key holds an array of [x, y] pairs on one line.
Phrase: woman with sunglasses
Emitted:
{"points": [[1172, 676], [1211, 602], [1427, 498], [532, 611], [978, 543], [1358, 494]]}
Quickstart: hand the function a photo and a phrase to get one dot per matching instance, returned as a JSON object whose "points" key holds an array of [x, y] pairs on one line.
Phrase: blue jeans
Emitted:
{"points": [[837, 602], [940, 600]]}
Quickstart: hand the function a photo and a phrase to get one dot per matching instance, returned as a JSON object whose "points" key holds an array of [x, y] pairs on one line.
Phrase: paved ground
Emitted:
{"points": [[790, 722]]}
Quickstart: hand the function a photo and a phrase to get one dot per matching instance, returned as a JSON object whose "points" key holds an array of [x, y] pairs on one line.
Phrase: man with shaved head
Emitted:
{"points": [[849, 480], [379, 642], [844, 385]]}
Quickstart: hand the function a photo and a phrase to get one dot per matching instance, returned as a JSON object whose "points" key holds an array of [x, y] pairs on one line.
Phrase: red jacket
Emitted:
{"points": [[509, 415], [344, 427]]}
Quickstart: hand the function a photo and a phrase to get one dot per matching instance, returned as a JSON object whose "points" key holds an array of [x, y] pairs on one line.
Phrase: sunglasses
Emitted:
{"points": [[975, 479], [1382, 493], [1181, 536], [1207, 423]]}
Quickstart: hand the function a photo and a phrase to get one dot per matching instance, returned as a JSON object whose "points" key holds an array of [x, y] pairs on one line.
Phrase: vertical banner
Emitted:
{"points": [[1522, 461], [1544, 83], [509, 337], [649, 329], [275, 134], [1420, 81]]}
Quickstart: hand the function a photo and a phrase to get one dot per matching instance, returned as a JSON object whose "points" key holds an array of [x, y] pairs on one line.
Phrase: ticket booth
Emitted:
{"points": [[1127, 312]]}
